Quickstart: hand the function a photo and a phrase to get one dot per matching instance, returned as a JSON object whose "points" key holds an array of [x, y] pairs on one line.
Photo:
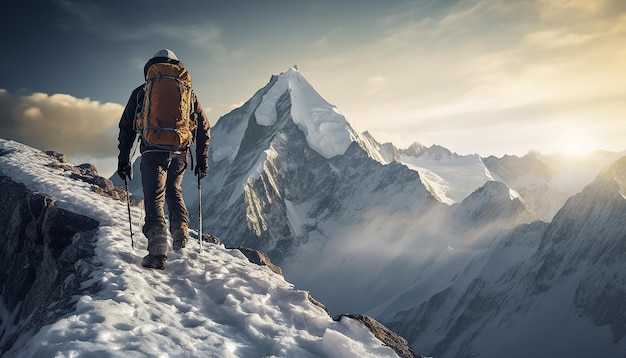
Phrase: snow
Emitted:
{"points": [[326, 129], [226, 146], [297, 217], [514, 195], [451, 179], [213, 303]]}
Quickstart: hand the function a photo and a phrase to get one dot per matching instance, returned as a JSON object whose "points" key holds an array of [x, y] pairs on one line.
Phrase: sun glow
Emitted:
{"points": [[577, 145]]}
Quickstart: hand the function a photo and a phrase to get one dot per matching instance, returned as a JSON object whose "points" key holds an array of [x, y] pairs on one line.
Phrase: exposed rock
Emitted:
{"points": [[211, 239], [46, 253], [60, 157], [318, 303], [384, 334], [88, 173], [260, 259]]}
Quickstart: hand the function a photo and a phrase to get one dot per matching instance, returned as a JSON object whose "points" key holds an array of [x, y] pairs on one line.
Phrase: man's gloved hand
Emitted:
{"points": [[200, 171], [123, 167]]}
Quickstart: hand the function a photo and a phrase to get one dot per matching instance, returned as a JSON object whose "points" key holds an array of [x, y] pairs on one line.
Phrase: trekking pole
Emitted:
{"points": [[200, 213], [130, 223]]}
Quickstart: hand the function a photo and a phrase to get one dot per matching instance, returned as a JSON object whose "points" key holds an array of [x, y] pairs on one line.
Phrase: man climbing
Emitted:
{"points": [[168, 117]]}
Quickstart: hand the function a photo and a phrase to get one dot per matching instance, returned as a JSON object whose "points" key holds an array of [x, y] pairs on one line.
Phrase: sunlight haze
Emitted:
{"points": [[488, 77]]}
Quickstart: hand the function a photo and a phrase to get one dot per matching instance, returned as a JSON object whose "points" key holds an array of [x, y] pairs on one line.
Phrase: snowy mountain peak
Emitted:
{"points": [[434, 152], [438, 152], [496, 200], [325, 128], [414, 150], [494, 191]]}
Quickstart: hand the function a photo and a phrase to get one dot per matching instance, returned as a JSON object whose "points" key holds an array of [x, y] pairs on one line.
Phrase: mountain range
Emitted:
{"points": [[463, 255], [369, 227], [553, 289]]}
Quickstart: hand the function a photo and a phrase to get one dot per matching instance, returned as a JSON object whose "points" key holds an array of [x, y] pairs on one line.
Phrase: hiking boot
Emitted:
{"points": [[157, 238], [154, 261], [180, 235], [179, 243]]}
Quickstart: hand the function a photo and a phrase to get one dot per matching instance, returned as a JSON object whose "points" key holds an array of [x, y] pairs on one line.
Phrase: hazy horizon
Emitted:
{"points": [[484, 77]]}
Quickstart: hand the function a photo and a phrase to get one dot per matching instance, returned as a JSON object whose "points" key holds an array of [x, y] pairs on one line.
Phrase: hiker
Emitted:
{"points": [[165, 151]]}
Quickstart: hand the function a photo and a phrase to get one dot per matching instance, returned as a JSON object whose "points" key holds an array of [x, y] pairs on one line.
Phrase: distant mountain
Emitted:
{"points": [[492, 207], [549, 289], [547, 181], [544, 182]]}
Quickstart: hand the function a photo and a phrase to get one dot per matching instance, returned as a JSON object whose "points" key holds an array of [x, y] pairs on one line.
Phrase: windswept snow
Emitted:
{"points": [[212, 303], [326, 129], [453, 178], [297, 217], [226, 146]]}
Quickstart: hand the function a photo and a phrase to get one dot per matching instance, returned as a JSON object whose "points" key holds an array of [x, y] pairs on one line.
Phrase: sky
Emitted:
{"points": [[491, 77]]}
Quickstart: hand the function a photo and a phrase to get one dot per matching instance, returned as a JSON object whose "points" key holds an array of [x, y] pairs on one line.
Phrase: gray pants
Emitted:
{"points": [[161, 177]]}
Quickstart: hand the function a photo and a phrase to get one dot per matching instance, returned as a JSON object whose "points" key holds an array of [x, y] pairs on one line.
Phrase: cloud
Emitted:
{"points": [[570, 9], [206, 36], [375, 84], [60, 122], [557, 38], [85, 14], [483, 76], [154, 22]]}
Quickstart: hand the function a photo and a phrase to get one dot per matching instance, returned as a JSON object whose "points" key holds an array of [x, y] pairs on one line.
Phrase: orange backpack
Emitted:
{"points": [[164, 118]]}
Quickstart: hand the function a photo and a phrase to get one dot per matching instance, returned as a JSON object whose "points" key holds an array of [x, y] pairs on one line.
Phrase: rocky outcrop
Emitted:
{"points": [[89, 174], [384, 334], [260, 259], [45, 253]]}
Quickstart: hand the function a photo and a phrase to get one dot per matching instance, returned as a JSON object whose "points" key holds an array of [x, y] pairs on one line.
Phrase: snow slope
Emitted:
{"points": [[452, 178], [213, 303]]}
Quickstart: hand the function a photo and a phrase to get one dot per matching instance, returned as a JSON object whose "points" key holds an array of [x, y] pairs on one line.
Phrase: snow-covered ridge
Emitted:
{"points": [[209, 304], [452, 177], [325, 128]]}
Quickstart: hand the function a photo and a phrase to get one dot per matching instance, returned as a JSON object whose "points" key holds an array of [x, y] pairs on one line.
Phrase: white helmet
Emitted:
{"points": [[167, 53]]}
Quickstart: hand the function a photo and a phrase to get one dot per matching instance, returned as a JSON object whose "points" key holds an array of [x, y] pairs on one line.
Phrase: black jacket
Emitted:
{"points": [[128, 132]]}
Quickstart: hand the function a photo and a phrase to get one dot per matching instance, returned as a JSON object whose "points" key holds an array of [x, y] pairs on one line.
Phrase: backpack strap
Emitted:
{"points": [[191, 154], [138, 109]]}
